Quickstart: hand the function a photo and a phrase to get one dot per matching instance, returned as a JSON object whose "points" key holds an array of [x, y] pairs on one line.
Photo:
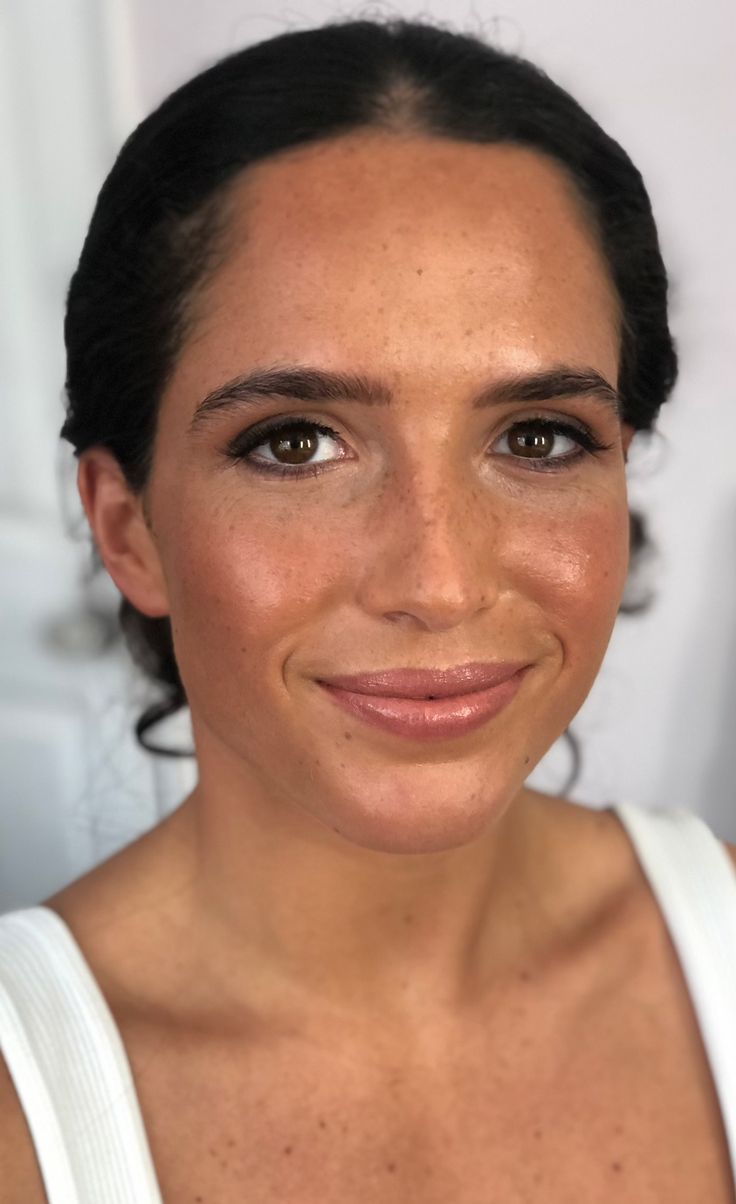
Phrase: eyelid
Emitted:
{"points": [[247, 440]]}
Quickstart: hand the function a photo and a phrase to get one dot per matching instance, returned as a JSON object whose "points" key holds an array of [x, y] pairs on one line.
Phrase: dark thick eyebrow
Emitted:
{"points": [[304, 384]]}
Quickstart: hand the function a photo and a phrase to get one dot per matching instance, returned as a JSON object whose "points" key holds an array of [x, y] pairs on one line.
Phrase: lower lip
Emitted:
{"points": [[428, 719]]}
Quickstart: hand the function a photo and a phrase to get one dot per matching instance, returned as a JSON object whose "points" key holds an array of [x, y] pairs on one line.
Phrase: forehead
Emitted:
{"points": [[404, 245]]}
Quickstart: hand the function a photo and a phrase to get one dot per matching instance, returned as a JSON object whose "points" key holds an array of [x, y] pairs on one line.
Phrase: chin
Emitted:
{"points": [[416, 821]]}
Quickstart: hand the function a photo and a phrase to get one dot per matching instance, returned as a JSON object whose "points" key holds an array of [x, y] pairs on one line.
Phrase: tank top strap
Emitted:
{"points": [[66, 1058], [694, 881]]}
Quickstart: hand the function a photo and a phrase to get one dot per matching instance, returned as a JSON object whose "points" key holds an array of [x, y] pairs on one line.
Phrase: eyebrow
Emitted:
{"points": [[307, 384]]}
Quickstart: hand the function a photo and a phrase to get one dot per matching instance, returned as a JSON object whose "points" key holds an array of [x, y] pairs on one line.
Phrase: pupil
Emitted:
{"points": [[295, 448], [531, 441]]}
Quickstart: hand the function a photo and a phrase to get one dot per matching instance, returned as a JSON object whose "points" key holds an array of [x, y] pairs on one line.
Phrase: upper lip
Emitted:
{"points": [[422, 683]]}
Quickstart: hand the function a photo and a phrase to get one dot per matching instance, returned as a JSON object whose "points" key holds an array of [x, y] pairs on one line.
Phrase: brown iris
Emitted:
{"points": [[528, 441], [296, 448]]}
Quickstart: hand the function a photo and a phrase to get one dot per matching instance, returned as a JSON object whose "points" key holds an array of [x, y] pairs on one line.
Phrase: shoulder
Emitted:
{"points": [[589, 854], [20, 1174]]}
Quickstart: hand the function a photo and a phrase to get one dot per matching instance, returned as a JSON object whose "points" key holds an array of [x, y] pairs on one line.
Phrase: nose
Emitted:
{"points": [[434, 553]]}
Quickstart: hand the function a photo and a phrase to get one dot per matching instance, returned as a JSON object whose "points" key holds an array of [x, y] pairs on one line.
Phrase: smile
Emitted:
{"points": [[428, 718]]}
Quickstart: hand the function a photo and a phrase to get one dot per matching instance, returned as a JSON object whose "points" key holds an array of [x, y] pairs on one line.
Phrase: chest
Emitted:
{"points": [[613, 1103]]}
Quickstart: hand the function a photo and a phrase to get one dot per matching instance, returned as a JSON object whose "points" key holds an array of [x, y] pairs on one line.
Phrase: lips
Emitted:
{"points": [[428, 683], [464, 698]]}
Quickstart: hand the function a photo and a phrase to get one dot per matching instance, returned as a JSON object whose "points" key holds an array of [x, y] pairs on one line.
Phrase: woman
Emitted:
{"points": [[363, 327]]}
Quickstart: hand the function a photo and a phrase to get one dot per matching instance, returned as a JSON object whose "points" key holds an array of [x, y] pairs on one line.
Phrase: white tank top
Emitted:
{"points": [[70, 1070]]}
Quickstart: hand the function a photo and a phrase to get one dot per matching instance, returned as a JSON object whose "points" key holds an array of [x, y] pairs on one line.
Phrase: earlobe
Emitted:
{"points": [[122, 534]]}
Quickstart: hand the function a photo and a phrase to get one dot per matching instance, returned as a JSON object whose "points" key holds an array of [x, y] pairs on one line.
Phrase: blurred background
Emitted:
{"points": [[659, 727]]}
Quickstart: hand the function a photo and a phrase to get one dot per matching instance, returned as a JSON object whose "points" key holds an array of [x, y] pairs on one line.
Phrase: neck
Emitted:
{"points": [[298, 913]]}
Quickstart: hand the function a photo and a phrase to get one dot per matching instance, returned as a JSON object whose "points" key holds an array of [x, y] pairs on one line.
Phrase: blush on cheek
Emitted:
{"points": [[239, 594], [575, 570]]}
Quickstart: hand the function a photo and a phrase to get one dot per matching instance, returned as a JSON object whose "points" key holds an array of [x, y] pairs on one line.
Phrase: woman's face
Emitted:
{"points": [[425, 531]]}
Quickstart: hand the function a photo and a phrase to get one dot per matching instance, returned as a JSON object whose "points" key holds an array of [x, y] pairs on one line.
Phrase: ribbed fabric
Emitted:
{"points": [[694, 881], [67, 1060]]}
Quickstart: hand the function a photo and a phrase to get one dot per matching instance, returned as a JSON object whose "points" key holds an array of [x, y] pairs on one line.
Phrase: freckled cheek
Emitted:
{"points": [[248, 584], [578, 571]]}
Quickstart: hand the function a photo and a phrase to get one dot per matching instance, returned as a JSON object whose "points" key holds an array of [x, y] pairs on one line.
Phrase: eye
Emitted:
{"points": [[298, 447], [530, 439], [288, 446]]}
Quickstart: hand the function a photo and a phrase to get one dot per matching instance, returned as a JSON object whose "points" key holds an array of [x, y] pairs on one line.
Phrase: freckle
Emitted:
{"points": [[391, 1166], [409, 918], [525, 975], [322, 1123], [615, 1166], [212, 1153], [527, 760], [231, 1143], [223, 1165], [420, 271], [537, 1134], [348, 735], [288, 1149]]}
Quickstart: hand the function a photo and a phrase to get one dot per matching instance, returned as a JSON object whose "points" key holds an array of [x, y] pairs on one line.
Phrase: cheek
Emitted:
{"points": [[243, 587], [575, 567]]}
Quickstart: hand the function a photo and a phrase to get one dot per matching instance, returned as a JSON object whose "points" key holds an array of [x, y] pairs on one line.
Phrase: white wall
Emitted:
{"points": [[659, 727], [73, 783]]}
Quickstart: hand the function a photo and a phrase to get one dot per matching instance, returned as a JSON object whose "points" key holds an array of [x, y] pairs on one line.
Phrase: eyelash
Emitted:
{"points": [[244, 444]]}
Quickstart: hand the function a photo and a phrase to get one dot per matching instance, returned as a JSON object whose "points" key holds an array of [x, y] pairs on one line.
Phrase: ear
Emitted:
{"points": [[122, 531]]}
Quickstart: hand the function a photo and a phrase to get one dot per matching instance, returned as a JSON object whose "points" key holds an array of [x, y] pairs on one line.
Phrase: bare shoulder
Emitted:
{"points": [[109, 912], [590, 838], [20, 1174], [123, 891], [598, 830]]}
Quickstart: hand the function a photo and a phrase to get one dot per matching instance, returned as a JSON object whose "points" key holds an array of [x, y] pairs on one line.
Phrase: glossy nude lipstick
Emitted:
{"points": [[428, 704]]}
